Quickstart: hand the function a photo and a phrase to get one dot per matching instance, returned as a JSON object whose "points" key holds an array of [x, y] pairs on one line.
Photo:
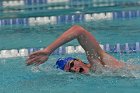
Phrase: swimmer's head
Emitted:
{"points": [[60, 63], [72, 65]]}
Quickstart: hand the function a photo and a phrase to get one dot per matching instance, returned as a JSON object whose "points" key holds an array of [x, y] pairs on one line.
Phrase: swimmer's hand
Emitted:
{"points": [[37, 58]]}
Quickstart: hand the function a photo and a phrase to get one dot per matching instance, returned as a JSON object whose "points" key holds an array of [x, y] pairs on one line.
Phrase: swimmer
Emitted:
{"points": [[96, 56]]}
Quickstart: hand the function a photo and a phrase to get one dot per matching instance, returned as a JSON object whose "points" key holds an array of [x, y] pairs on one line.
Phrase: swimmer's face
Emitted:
{"points": [[77, 66]]}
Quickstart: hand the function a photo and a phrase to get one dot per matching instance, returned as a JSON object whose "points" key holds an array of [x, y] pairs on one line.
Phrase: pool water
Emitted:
{"points": [[16, 77], [105, 31]]}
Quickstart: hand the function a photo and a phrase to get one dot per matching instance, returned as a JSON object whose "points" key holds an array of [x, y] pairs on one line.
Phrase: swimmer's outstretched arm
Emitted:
{"points": [[86, 40]]}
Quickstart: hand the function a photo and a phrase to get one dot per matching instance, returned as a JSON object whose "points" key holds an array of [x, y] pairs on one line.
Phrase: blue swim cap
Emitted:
{"points": [[60, 63]]}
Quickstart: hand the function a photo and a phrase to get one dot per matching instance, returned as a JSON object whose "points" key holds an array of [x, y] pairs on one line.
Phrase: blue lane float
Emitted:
{"points": [[75, 18], [16, 21], [70, 18], [32, 2], [126, 14], [125, 48], [117, 48], [71, 3]]}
